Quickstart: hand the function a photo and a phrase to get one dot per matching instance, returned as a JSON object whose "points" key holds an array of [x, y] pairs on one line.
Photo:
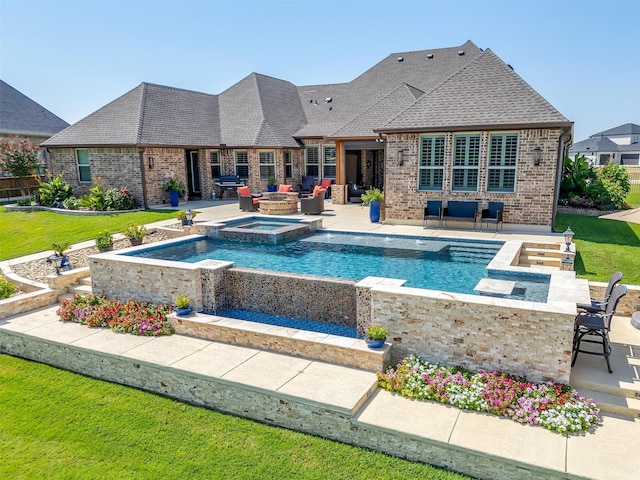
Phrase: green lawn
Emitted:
{"points": [[56, 424], [604, 246], [23, 233], [633, 199]]}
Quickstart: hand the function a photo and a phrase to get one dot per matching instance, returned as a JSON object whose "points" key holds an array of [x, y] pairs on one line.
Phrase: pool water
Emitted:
{"points": [[437, 264], [265, 226]]}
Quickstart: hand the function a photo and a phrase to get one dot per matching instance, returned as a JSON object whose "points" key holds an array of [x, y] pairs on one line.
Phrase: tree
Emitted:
{"points": [[19, 157]]}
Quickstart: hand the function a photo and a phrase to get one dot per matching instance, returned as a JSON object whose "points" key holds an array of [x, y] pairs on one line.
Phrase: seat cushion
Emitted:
{"points": [[244, 191], [317, 190], [284, 188]]}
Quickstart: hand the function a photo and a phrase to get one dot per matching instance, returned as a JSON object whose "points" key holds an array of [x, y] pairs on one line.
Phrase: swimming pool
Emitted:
{"points": [[439, 264]]}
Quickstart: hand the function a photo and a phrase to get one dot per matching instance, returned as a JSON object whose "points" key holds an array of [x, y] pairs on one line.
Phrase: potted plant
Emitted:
{"points": [[373, 197], [175, 188], [375, 335], [135, 233], [183, 305], [182, 216], [104, 241], [271, 185], [59, 260]]}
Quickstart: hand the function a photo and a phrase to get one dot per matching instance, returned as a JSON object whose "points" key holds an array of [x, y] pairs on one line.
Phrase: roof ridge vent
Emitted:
{"points": [[460, 53]]}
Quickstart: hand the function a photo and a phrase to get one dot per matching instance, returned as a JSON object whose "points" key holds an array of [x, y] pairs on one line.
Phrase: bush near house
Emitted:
{"points": [[584, 186]]}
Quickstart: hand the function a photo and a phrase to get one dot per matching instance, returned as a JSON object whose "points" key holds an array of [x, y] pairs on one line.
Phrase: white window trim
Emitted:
{"points": [[87, 165], [501, 167], [432, 167], [466, 167]]}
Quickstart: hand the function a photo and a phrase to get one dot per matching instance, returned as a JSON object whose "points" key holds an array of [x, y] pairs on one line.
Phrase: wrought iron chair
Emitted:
{"points": [[598, 305], [596, 325]]}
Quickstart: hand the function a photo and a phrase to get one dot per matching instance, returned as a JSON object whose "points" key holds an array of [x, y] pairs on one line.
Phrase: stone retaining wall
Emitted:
{"points": [[476, 332], [266, 407], [629, 304]]}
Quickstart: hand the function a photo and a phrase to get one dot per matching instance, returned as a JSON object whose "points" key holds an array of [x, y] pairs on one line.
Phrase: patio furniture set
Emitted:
{"points": [[285, 201], [463, 211]]}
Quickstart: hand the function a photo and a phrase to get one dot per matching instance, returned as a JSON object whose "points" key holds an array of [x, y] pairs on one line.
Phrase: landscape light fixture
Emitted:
{"points": [[568, 238], [537, 155], [189, 215], [56, 260]]}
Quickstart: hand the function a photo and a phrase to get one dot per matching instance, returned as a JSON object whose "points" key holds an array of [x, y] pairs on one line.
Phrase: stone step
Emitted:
{"points": [[540, 252], [64, 296], [351, 352], [537, 260], [86, 281], [541, 245], [611, 403], [79, 289]]}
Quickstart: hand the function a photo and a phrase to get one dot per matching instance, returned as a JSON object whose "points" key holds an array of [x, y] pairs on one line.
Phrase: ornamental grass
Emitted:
{"points": [[554, 406], [137, 318]]}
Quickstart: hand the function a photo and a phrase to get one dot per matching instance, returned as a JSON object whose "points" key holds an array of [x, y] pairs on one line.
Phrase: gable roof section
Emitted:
{"points": [[485, 93], [117, 123], [148, 115], [172, 116], [625, 129], [363, 125], [20, 115], [350, 100], [260, 111]]}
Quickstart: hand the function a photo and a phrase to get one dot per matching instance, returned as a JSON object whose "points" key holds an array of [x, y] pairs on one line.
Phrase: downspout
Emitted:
{"points": [[143, 177], [562, 151]]}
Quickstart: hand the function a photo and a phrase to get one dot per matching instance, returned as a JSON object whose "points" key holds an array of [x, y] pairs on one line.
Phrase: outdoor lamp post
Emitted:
{"points": [[568, 237], [56, 260], [189, 217]]}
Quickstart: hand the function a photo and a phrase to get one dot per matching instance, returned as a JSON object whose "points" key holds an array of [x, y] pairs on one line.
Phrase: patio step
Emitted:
{"points": [[611, 403], [537, 251], [351, 352], [539, 260], [86, 281], [81, 289]]}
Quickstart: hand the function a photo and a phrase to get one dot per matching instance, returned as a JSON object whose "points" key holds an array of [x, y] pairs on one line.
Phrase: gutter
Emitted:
{"points": [[563, 146]]}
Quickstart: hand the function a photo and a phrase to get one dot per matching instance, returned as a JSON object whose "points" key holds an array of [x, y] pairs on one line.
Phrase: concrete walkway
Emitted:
{"points": [[632, 216], [494, 447]]}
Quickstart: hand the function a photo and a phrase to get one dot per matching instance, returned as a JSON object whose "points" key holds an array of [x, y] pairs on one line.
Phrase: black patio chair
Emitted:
{"points": [[432, 211], [598, 305], [590, 324], [492, 214]]}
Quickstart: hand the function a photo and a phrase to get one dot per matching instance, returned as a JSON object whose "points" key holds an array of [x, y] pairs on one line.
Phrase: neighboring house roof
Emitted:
{"points": [[262, 111], [626, 129], [485, 93], [19, 115], [148, 115], [599, 144]]}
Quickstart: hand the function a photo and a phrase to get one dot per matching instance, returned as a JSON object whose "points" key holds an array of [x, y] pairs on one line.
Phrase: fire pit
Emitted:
{"points": [[279, 203]]}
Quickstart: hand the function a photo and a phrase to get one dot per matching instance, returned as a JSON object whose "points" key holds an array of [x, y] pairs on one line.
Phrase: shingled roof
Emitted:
{"points": [[625, 129], [19, 115], [458, 87], [148, 115], [486, 93]]}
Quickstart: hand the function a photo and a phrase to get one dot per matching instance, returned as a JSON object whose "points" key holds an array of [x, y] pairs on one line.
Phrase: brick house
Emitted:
{"points": [[450, 123]]}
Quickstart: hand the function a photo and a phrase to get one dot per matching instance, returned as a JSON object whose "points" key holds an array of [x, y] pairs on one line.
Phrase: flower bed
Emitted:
{"points": [[554, 406], [137, 318]]}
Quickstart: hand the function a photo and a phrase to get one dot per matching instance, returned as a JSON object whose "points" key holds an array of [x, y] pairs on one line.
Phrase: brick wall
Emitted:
{"points": [[531, 204], [117, 167]]}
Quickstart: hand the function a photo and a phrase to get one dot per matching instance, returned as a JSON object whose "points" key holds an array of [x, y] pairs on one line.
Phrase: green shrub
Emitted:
{"points": [[104, 240], [119, 199], [54, 192], [6, 288], [376, 332], [182, 302], [372, 195], [71, 203], [134, 231]]}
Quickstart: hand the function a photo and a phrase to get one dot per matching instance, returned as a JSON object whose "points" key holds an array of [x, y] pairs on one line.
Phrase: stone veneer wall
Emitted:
{"points": [[475, 332], [299, 296], [628, 304], [268, 407], [531, 203]]}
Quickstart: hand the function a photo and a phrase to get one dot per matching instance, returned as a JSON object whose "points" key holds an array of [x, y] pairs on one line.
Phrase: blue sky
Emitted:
{"points": [[75, 56]]}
